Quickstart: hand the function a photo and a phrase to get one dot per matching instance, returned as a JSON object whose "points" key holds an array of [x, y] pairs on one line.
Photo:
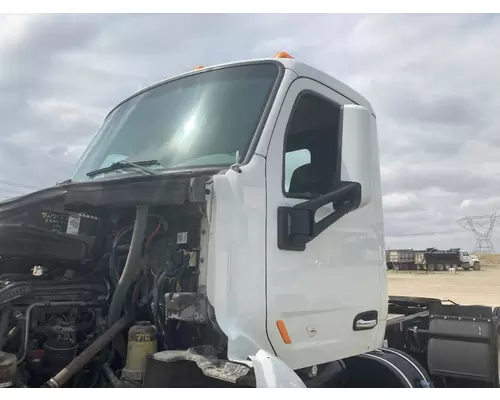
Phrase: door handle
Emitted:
{"points": [[365, 320], [362, 324]]}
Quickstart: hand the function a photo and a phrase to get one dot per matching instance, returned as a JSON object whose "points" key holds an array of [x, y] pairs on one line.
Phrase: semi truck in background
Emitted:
{"points": [[470, 261], [442, 260], [431, 259], [224, 228]]}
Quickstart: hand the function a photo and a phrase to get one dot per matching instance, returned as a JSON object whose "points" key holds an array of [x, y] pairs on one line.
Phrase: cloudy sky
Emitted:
{"points": [[433, 80]]}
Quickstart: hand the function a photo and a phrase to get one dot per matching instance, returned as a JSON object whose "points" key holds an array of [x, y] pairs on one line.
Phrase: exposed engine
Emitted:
{"points": [[86, 295]]}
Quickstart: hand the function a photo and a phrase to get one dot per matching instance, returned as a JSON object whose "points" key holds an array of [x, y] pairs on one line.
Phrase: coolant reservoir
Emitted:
{"points": [[141, 343]]}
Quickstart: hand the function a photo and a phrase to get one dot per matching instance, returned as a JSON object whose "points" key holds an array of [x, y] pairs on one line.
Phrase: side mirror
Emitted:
{"points": [[359, 150], [297, 225], [359, 162]]}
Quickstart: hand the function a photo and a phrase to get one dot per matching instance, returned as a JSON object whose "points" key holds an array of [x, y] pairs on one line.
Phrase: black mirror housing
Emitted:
{"points": [[297, 225]]}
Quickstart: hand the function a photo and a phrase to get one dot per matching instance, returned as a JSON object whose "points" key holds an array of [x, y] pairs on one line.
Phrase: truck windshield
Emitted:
{"points": [[204, 119]]}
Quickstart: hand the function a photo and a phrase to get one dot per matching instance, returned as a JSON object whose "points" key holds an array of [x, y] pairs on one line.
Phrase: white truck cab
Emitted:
{"points": [[234, 214], [469, 261]]}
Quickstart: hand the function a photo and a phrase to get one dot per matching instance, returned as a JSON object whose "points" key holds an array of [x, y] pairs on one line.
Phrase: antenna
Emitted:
{"points": [[482, 228]]}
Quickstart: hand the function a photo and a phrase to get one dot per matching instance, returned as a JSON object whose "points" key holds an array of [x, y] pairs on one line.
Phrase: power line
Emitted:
{"points": [[11, 191], [426, 233], [18, 184]]}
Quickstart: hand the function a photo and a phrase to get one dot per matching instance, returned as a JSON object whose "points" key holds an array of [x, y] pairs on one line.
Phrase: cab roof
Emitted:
{"points": [[301, 69], [306, 71]]}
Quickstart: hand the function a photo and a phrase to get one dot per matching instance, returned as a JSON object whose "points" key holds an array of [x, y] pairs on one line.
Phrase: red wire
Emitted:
{"points": [[135, 293], [157, 230]]}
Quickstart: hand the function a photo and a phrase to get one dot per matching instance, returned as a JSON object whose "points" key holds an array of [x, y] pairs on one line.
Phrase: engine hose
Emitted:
{"points": [[113, 380], [132, 265], [68, 287], [111, 270], [4, 323]]}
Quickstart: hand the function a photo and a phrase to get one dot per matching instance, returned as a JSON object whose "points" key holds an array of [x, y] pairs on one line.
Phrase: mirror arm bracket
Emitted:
{"points": [[297, 225]]}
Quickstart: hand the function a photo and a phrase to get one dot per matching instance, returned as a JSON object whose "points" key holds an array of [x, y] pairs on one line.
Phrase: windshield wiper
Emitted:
{"points": [[126, 164]]}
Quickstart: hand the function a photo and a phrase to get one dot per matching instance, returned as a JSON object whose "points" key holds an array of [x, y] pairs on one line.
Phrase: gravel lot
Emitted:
{"points": [[465, 287]]}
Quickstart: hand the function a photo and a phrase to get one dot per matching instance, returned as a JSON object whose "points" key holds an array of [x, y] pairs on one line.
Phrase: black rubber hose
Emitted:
{"points": [[113, 380], [132, 265], [81, 287], [4, 324]]}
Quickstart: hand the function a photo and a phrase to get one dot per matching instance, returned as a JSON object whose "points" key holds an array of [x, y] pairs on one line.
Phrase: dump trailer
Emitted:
{"points": [[224, 228], [433, 259], [401, 259]]}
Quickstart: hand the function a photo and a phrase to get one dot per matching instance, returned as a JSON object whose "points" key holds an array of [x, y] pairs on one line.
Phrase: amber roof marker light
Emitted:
{"points": [[199, 67], [283, 54]]}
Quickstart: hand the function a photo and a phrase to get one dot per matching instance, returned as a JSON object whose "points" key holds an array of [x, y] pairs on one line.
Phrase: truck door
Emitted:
{"points": [[325, 301]]}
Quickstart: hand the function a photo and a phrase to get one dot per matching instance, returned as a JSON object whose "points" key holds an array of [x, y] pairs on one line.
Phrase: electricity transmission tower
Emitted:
{"points": [[482, 228]]}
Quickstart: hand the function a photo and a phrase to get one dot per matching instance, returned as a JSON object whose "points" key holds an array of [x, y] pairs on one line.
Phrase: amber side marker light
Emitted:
{"points": [[283, 54], [283, 332]]}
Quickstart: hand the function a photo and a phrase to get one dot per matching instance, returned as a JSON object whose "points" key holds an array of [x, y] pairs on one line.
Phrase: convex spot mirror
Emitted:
{"points": [[359, 147]]}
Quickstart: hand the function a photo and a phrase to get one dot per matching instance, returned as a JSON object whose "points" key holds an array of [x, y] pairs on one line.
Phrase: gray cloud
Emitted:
{"points": [[431, 79]]}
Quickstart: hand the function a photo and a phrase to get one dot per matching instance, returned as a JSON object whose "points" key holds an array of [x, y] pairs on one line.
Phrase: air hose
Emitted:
{"points": [[132, 265]]}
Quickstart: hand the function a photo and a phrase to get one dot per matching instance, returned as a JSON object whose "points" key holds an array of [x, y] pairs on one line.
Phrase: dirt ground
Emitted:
{"points": [[465, 287]]}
